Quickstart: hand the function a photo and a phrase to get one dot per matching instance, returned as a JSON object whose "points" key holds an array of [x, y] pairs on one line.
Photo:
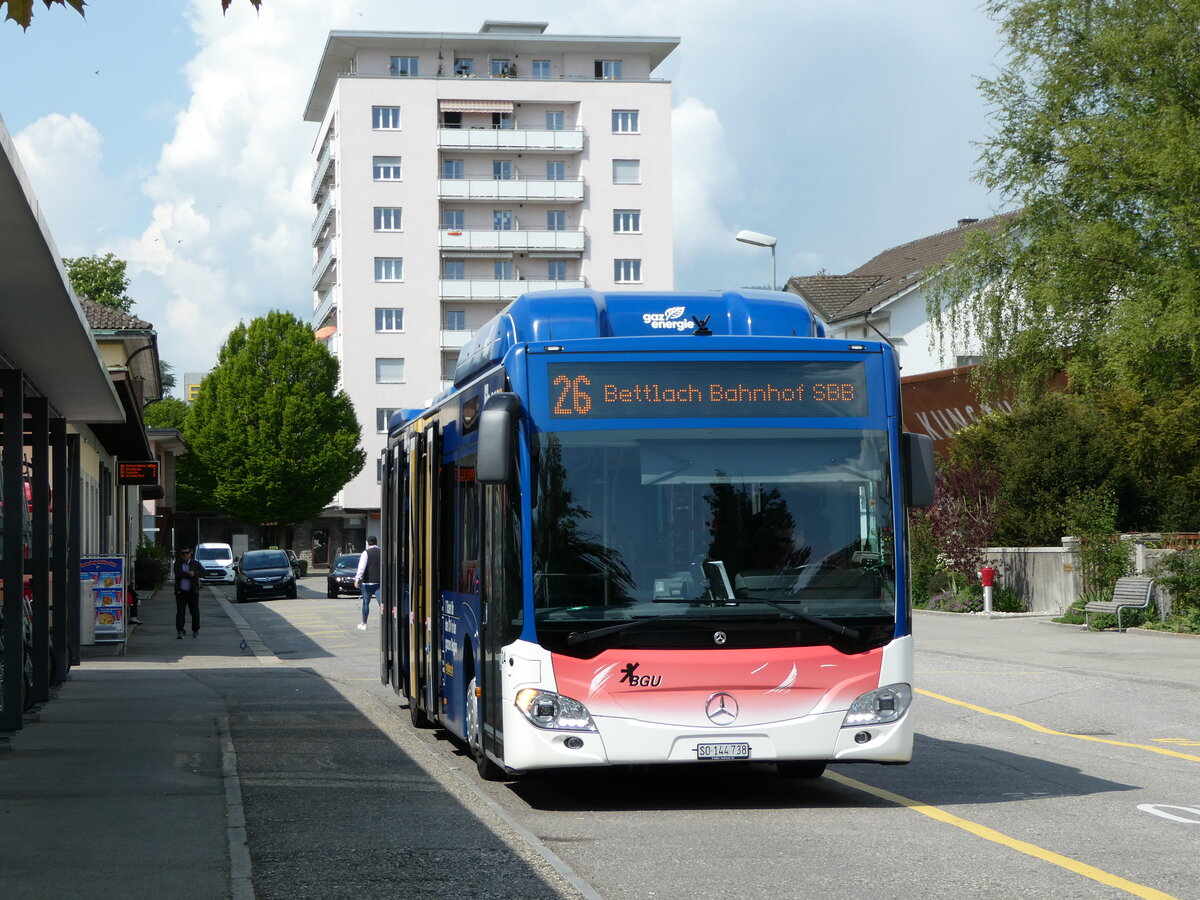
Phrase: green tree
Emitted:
{"points": [[1097, 143], [272, 438], [21, 11], [101, 279], [170, 412]]}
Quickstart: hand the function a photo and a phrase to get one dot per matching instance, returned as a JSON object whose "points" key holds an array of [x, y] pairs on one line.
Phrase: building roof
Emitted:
{"points": [[887, 275], [105, 318], [44, 332], [337, 59]]}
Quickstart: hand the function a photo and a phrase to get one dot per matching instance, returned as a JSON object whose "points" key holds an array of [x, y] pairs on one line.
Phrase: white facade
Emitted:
{"points": [[445, 185]]}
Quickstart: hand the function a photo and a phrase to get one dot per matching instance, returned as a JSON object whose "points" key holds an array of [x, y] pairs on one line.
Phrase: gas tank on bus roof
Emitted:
{"points": [[567, 315], [575, 315]]}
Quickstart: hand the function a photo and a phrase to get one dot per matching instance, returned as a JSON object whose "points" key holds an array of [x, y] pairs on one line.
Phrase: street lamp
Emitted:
{"points": [[760, 240]]}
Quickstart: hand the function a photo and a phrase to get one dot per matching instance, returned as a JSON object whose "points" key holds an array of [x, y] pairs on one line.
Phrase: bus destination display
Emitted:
{"points": [[709, 389]]}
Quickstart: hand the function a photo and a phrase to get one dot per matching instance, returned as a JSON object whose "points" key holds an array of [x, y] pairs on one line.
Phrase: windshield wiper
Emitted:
{"points": [[578, 637], [828, 624]]}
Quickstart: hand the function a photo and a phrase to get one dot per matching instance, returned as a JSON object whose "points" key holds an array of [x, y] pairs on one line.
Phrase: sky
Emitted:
{"points": [[172, 136]]}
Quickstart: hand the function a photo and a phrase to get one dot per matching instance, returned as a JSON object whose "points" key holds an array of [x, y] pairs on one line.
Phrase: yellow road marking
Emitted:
{"points": [[990, 834], [1033, 726], [1182, 742]]}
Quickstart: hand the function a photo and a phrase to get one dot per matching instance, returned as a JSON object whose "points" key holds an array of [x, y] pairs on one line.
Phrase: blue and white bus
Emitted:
{"points": [[656, 528]]}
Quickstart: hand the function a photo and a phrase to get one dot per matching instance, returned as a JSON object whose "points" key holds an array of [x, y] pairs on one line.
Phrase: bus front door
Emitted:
{"points": [[423, 591]]}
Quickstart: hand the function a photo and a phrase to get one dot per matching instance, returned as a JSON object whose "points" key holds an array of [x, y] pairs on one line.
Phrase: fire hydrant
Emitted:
{"points": [[987, 575]]}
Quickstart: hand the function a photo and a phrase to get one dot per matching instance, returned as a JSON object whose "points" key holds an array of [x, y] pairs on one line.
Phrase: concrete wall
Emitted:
{"points": [[1047, 578]]}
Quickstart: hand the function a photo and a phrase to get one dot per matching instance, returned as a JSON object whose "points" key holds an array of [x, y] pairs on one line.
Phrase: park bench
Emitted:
{"points": [[1132, 592]]}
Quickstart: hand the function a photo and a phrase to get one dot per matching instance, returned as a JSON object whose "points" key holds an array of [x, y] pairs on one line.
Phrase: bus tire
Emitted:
{"points": [[801, 768], [417, 715], [488, 770]]}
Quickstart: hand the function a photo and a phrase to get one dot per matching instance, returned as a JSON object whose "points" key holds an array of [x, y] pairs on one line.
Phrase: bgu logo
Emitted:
{"points": [[627, 674], [672, 318]]}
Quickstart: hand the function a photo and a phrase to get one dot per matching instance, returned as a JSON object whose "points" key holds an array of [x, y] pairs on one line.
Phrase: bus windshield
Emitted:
{"points": [[775, 536]]}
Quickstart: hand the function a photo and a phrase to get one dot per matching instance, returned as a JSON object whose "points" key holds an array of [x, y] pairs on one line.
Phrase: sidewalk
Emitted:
{"points": [[116, 788]]}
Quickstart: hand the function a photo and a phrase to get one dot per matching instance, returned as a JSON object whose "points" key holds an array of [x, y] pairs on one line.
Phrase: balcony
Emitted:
{"points": [[323, 271], [566, 241], [519, 190], [503, 290], [324, 170], [515, 139], [454, 340], [322, 219]]}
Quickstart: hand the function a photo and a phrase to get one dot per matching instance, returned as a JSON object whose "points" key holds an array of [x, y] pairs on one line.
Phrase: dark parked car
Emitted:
{"points": [[341, 574], [264, 573]]}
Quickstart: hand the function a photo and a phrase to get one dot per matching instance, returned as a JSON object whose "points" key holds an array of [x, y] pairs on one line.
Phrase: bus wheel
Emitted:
{"points": [[417, 715], [488, 770], [801, 768]]}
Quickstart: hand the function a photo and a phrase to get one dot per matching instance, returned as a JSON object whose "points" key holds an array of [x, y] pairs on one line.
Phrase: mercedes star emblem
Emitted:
{"points": [[721, 708], [719, 637]]}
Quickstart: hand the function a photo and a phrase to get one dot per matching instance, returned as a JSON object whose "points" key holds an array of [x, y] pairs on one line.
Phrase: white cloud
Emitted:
{"points": [[62, 156], [228, 237]]}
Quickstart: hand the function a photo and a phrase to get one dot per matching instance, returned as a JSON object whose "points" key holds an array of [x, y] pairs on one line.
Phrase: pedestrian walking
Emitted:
{"points": [[187, 592], [367, 578]]}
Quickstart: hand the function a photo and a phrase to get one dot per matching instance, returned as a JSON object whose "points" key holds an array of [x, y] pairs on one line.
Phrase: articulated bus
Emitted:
{"points": [[656, 528]]}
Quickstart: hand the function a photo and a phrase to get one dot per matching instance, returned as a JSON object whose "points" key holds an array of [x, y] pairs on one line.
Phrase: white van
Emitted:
{"points": [[217, 560]]}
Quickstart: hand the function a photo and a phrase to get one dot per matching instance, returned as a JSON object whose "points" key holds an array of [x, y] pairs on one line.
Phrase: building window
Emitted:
{"points": [[456, 320], [627, 171], [541, 68], [556, 269], [449, 364], [385, 168], [389, 268], [403, 65], [452, 169], [388, 319], [381, 419], [389, 371], [385, 118], [556, 170], [387, 218], [502, 220], [502, 169], [626, 221], [454, 270], [379, 470], [556, 220], [608, 69], [556, 120], [626, 270], [503, 269], [464, 66], [502, 121], [625, 121], [501, 68], [452, 219]]}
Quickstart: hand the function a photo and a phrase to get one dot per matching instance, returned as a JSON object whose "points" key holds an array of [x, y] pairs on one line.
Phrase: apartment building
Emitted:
{"points": [[455, 171]]}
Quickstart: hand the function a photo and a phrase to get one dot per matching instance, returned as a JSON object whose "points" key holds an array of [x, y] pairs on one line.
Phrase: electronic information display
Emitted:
{"points": [[708, 389]]}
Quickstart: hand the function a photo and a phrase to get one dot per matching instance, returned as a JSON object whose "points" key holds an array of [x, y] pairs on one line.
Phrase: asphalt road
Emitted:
{"points": [[1049, 763]]}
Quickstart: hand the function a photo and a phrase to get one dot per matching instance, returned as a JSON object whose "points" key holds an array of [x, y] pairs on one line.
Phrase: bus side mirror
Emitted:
{"points": [[497, 438], [917, 456]]}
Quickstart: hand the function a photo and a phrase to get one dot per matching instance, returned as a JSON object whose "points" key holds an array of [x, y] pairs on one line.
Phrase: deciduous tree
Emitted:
{"points": [[272, 438], [1097, 142], [21, 11], [101, 279]]}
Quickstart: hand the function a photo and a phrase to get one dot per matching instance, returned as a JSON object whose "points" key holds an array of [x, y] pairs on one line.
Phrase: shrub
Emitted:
{"points": [[151, 566]]}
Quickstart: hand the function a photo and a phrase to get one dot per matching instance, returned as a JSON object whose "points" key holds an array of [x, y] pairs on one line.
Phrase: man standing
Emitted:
{"points": [[367, 578], [187, 591]]}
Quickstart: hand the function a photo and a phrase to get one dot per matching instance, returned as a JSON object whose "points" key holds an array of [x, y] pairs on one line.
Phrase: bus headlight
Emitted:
{"points": [[878, 707], [546, 709]]}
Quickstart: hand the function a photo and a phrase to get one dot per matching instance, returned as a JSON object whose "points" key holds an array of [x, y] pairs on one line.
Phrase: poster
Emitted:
{"points": [[107, 575]]}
